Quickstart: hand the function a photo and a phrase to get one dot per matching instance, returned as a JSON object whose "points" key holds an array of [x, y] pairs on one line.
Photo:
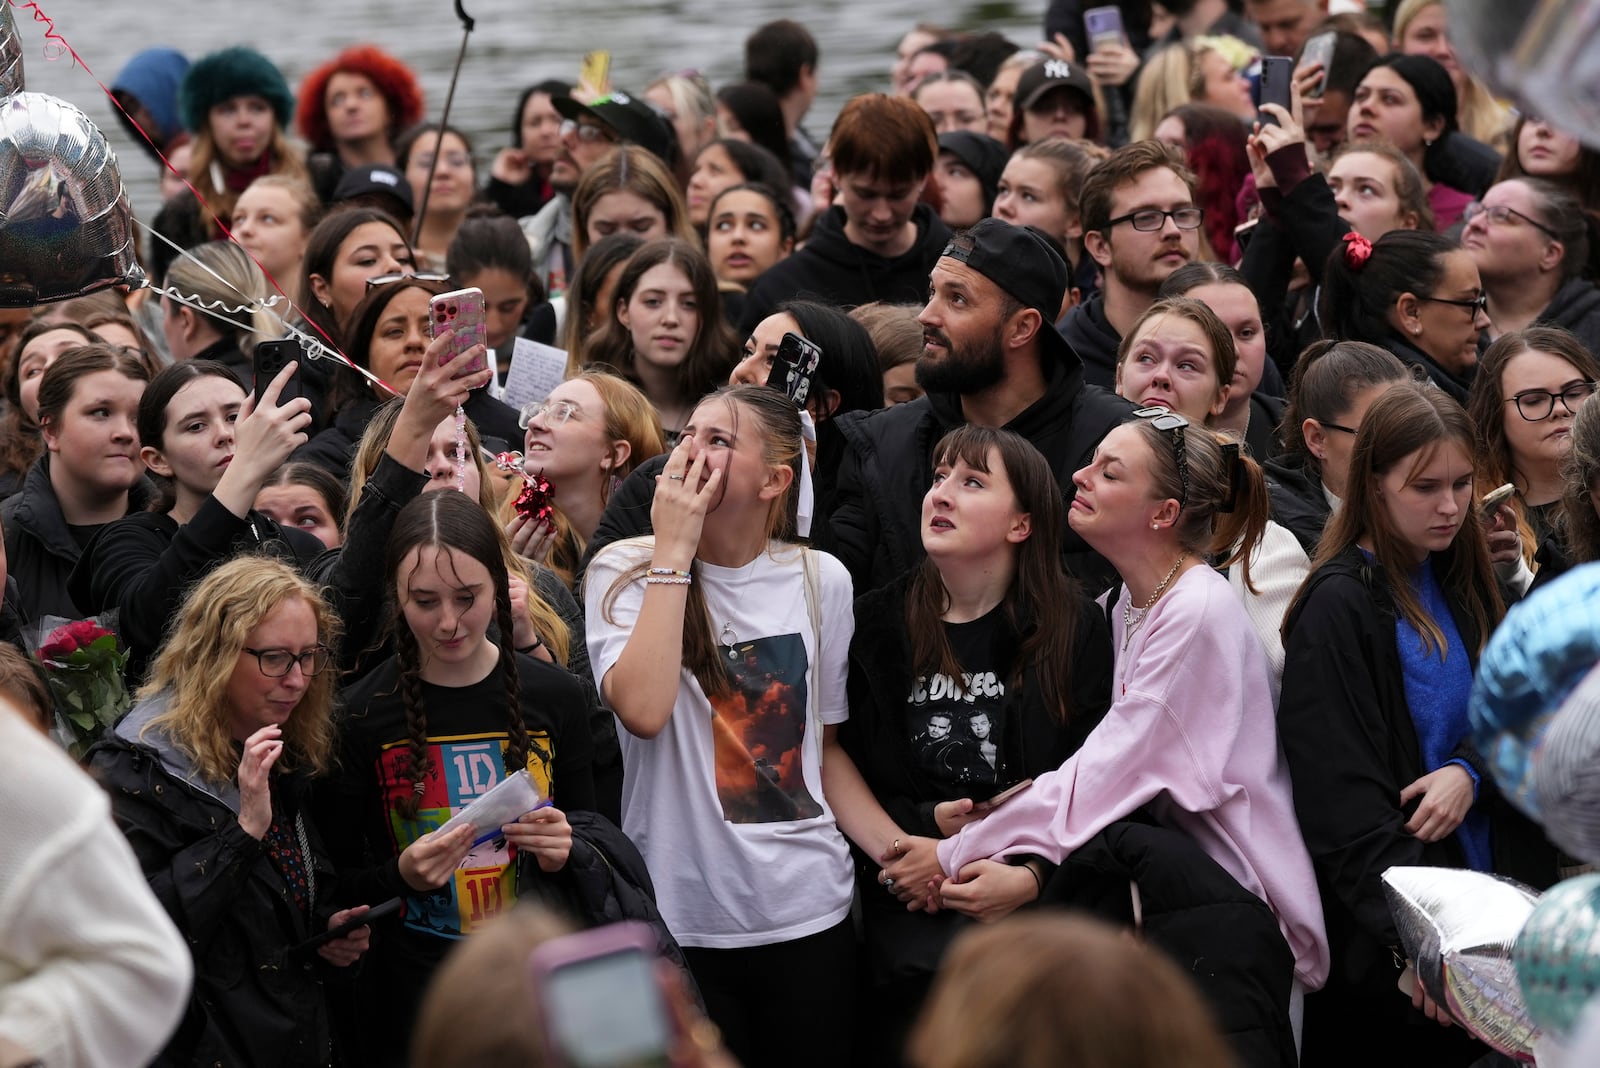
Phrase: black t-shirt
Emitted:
{"points": [[956, 724]]}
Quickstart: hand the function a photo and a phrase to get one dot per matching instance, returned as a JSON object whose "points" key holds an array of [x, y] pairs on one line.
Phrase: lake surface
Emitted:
{"points": [[515, 43]]}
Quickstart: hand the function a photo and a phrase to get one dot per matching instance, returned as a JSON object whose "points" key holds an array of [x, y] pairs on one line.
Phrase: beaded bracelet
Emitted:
{"points": [[668, 580], [669, 571]]}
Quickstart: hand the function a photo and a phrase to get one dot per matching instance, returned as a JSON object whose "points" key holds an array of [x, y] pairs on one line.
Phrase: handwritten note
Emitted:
{"points": [[535, 370]]}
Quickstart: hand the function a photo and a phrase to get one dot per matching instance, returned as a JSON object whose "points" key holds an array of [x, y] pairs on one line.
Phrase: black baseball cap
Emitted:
{"points": [[631, 118], [373, 180], [1040, 78], [1023, 261]]}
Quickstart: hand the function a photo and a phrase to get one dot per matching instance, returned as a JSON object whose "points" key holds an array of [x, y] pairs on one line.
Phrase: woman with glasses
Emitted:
{"points": [[1530, 239], [1189, 736], [584, 438], [1529, 387], [388, 335], [1416, 294], [1381, 643], [209, 777], [444, 178]]}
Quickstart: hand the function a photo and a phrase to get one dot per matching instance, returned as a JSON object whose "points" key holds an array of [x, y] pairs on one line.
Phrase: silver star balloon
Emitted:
{"points": [[11, 79], [65, 225], [1457, 928]]}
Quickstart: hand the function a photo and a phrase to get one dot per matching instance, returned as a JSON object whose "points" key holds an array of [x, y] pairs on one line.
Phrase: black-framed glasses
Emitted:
{"points": [[555, 413], [399, 276], [1149, 220], [1172, 425], [1478, 304], [1500, 215], [275, 663], [1336, 426], [1537, 405]]}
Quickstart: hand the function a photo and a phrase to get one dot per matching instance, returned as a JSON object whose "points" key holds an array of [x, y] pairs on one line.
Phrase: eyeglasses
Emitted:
{"points": [[1536, 405], [1500, 215], [1172, 425], [1352, 431], [555, 413], [275, 663], [1150, 220], [420, 276], [587, 132], [1478, 304]]}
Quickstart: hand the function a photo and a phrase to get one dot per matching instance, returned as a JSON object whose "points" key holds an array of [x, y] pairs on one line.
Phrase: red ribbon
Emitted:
{"points": [[1357, 250]]}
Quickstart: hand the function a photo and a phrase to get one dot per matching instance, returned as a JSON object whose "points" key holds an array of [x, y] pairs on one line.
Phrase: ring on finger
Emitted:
{"points": [[888, 883], [676, 478]]}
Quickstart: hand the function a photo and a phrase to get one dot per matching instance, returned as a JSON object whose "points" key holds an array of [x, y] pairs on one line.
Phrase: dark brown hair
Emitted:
{"points": [[888, 138], [1326, 379], [20, 444], [1581, 472], [1584, 183], [1041, 602], [61, 380], [1412, 418]]}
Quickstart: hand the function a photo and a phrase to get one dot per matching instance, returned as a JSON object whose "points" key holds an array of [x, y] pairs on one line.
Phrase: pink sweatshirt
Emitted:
{"points": [[1191, 732]]}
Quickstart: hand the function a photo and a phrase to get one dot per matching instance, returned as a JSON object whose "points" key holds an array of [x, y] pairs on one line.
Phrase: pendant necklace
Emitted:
{"points": [[1131, 625]]}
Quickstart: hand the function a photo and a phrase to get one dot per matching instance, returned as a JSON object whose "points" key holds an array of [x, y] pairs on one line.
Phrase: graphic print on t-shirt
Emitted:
{"points": [[460, 769], [956, 726], [758, 731]]}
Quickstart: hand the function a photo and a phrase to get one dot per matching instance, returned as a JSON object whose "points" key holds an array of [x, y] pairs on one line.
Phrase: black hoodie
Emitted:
{"points": [[1576, 306], [831, 269], [1094, 339]]}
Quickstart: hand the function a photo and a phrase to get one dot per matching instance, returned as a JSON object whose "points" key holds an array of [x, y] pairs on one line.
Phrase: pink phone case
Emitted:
{"points": [[462, 312], [637, 1006]]}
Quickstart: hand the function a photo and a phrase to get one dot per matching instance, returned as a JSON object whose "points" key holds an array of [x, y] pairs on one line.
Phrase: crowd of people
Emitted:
{"points": [[1126, 551]]}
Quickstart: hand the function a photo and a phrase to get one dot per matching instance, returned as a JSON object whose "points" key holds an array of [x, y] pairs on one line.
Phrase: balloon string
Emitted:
{"points": [[54, 47]]}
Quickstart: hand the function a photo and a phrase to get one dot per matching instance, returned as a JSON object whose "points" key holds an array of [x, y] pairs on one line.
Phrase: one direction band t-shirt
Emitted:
{"points": [[956, 724]]}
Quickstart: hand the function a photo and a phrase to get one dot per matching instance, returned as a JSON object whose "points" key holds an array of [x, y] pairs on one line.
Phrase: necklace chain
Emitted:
{"points": [[1129, 624]]}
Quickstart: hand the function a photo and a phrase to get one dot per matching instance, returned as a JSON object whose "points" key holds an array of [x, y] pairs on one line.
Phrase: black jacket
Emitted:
{"points": [[1406, 353], [1352, 746], [877, 735], [253, 1002], [1261, 436], [40, 550], [1094, 339], [228, 354], [888, 461], [334, 448], [142, 565], [831, 269], [1218, 933], [1298, 502], [1576, 306]]}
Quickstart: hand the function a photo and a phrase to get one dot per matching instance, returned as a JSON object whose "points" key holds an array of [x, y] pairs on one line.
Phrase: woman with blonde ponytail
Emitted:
{"points": [[220, 316]]}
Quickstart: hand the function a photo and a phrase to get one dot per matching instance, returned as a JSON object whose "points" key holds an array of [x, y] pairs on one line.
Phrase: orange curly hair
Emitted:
{"points": [[393, 79]]}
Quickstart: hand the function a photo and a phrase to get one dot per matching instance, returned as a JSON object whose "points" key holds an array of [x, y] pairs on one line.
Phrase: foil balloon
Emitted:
{"points": [[1566, 772], [1557, 955], [1457, 927], [11, 80], [65, 225], [1544, 53], [1541, 652]]}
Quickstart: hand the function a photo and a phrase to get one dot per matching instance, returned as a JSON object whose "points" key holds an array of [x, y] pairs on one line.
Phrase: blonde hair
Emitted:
{"points": [[547, 622], [1173, 77], [1478, 114], [308, 208], [222, 277], [193, 668], [285, 160]]}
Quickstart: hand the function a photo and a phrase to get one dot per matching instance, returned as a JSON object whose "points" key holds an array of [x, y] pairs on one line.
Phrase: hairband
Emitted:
{"points": [[1233, 460], [1357, 250]]}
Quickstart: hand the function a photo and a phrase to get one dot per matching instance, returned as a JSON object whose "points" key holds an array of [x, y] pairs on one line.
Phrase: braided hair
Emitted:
{"points": [[453, 522]]}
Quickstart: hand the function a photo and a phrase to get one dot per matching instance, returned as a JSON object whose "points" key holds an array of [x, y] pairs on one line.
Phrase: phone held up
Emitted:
{"points": [[1319, 49], [1494, 499], [600, 998], [797, 361], [1103, 26], [270, 358], [1277, 84], [462, 312]]}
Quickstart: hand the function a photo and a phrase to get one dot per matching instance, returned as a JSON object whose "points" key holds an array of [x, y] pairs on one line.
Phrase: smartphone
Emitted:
{"points": [[1103, 26], [1494, 499], [375, 913], [1244, 232], [600, 1000], [1002, 797], [462, 312], [1319, 49], [272, 357], [1277, 84], [797, 360], [595, 72]]}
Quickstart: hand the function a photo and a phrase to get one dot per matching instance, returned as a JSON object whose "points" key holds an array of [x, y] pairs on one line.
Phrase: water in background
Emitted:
{"points": [[516, 42]]}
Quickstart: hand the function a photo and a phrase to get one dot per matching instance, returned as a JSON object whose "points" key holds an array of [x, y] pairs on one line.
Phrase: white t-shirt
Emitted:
{"points": [[726, 804]]}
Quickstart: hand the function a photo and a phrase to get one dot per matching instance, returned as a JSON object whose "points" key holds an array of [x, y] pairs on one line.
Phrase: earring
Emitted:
{"points": [[1416, 328], [1155, 526]]}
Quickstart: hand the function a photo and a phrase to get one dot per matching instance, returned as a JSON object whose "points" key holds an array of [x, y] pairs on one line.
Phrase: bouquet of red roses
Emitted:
{"points": [[83, 663]]}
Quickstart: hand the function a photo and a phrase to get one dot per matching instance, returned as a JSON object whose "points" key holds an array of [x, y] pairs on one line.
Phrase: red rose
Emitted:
{"points": [[86, 631], [59, 645]]}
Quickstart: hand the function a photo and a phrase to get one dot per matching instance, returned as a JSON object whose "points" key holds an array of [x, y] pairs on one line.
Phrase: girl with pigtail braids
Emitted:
{"points": [[454, 712]]}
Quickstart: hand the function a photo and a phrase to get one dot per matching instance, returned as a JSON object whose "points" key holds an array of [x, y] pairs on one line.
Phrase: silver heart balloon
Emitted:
{"points": [[1565, 772], [1558, 954], [1458, 927], [65, 225], [11, 79], [1545, 53]]}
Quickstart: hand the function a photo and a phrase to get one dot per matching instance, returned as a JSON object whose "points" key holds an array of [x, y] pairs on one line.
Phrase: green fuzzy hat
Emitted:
{"points": [[232, 72]]}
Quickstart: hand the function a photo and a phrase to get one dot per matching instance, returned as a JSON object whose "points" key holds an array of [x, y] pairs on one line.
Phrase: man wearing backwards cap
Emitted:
{"points": [[588, 134], [991, 357]]}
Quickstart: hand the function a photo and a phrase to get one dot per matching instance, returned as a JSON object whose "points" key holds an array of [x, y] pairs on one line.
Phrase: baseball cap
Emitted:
{"points": [[377, 178], [631, 118], [1040, 78], [1023, 261]]}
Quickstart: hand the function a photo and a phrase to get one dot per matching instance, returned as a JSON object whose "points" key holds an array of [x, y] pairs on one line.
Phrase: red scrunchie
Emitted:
{"points": [[1357, 250]]}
